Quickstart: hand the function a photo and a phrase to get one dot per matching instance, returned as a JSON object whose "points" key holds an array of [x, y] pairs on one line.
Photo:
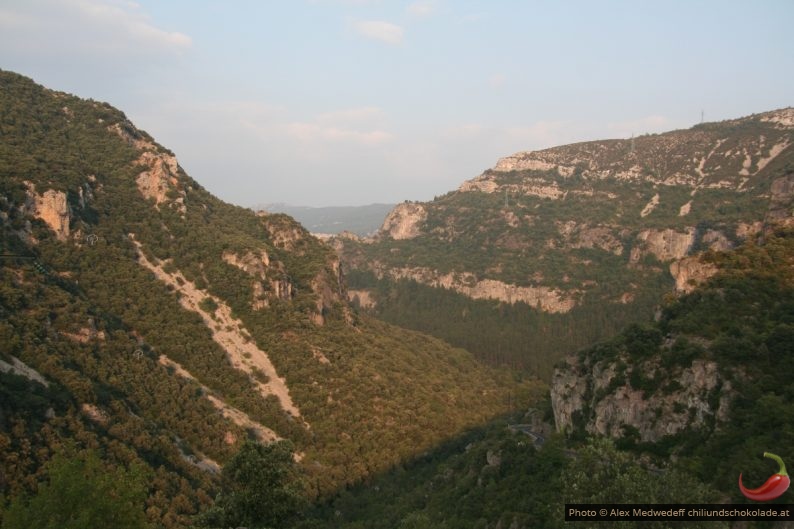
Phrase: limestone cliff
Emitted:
{"points": [[329, 288], [52, 208], [600, 397], [664, 244], [404, 221], [541, 297]]}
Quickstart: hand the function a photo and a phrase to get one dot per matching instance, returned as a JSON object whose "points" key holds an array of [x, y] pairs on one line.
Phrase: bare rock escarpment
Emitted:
{"points": [[600, 398], [404, 221], [52, 208]]}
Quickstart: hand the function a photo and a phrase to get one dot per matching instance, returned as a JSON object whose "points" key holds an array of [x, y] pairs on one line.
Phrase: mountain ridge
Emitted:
{"points": [[155, 312], [549, 230]]}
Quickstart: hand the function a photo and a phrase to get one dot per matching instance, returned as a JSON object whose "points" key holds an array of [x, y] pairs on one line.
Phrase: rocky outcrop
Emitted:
{"points": [[716, 240], [283, 231], [329, 288], [781, 201], [666, 245], [161, 173], [690, 272], [404, 221], [526, 161], [485, 183], [252, 264], [599, 400], [269, 279], [52, 208], [583, 236], [650, 206], [363, 298], [159, 178], [541, 297], [783, 118], [539, 187], [95, 414]]}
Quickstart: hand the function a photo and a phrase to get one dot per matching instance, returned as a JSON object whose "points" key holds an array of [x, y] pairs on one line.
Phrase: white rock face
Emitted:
{"points": [[541, 297], [484, 183], [530, 161], [404, 221]]}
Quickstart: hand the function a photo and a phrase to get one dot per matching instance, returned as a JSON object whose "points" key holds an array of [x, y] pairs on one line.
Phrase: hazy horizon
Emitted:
{"points": [[354, 102]]}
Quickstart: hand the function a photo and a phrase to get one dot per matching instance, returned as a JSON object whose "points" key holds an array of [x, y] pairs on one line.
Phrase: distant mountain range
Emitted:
{"points": [[361, 220]]}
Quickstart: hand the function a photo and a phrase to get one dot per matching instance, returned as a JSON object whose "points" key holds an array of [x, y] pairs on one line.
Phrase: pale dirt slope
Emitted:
{"points": [[228, 332]]}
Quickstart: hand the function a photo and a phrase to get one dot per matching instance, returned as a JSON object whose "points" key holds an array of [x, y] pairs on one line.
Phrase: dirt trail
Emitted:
{"points": [[240, 418], [228, 333]]}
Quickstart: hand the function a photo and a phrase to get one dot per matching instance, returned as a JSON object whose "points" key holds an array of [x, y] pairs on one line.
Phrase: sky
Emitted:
{"points": [[351, 102]]}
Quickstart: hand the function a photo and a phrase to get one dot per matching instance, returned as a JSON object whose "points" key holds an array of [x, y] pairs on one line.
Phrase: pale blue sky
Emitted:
{"points": [[343, 102]]}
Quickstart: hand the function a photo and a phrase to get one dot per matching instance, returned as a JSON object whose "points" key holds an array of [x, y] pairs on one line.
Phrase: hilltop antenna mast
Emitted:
{"points": [[632, 142], [701, 116]]}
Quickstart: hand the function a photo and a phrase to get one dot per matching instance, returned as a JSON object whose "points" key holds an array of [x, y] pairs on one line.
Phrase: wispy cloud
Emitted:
{"points": [[127, 19], [379, 30], [497, 80], [85, 26], [361, 125], [421, 8], [352, 115], [311, 132]]}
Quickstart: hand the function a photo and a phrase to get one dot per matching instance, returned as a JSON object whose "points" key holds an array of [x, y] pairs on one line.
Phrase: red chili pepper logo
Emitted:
{"points": [[774, 487]]}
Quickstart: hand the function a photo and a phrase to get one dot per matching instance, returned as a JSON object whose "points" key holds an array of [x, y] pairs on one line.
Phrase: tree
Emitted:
{"points": [[602, 474], [259, 489], [82, 492]]}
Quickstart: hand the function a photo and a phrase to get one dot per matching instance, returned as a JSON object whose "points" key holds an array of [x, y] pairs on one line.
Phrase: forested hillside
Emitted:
{"points": [[737, 328], [148, 325], [709, 382], [551, 250]]}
